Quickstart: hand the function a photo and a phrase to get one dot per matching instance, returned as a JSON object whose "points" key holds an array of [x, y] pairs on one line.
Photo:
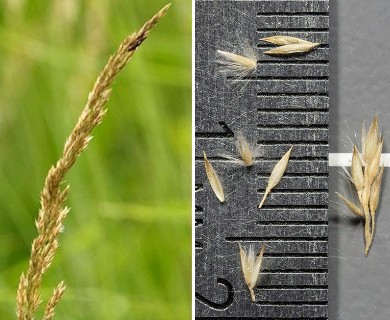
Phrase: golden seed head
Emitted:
{"points": [[53, 196]]}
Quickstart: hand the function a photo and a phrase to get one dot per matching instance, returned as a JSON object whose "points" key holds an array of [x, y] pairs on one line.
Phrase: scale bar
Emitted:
{"points": [[344, 159]]}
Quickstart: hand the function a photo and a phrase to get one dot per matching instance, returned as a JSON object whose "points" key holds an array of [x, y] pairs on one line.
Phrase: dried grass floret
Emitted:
{"points": [[213, 179], [283, 40], [54, 195], [366, 176], [352, 206], [251, 266], [289, 45], [289, 49], [276, 175]]}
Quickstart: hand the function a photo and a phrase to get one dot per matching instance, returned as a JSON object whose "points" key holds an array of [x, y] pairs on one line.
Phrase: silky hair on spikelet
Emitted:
{"points": [[237, 63], [246, 151]]}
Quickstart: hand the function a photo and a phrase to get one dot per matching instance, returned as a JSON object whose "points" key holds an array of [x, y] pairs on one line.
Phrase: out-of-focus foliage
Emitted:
{"points": [[126, 249]]}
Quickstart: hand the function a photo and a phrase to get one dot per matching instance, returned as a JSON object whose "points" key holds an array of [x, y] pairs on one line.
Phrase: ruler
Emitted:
{"points": [[286, 103]]}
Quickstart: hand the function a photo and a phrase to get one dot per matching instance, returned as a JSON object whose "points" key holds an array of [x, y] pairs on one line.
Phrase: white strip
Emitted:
{"points": [[344, 159]]}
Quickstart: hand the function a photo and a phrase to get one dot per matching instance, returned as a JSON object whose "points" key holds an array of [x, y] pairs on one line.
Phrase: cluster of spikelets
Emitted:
{"points": [[240, 66], [289, 45], [250, 264], [246, 153], [53, 210], [243, 65], [366, 176]]}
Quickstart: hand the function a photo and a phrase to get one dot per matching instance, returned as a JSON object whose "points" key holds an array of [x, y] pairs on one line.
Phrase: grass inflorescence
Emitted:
{"points": [[366, 176], [53, 209]]}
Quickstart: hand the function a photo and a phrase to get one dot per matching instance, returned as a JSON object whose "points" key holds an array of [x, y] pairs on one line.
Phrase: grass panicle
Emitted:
{"points": [[366, 176], [53, 210]]}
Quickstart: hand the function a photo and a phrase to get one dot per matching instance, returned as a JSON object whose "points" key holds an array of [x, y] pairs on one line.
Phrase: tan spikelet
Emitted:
{"points": [[236, 65], [367, 219], [284, 40], [289, 49], [375, 191], [244, 264], [374, 199], [251, 267], [213, 179], [247, 63], [52, 303], [276, 175], [367, 163], [364, 134], [373, 166], [54, 195], [353, 207], [246, 152], [357, 172], [371, 141], [244, 149]]}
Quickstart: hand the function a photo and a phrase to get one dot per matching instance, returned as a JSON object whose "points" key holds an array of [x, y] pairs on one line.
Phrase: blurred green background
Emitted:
{"points": [[126, 249]]}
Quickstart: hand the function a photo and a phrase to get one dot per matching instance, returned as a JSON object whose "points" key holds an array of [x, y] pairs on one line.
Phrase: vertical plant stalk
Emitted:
{"points": [[53, 196]]}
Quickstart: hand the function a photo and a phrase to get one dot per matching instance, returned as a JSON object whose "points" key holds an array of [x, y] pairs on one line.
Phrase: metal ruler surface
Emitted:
{"points": [[285, 103]]}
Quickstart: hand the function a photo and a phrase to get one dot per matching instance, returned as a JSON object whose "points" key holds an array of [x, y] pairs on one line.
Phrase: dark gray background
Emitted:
{"points": [[278, 108], [359, 287]]}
